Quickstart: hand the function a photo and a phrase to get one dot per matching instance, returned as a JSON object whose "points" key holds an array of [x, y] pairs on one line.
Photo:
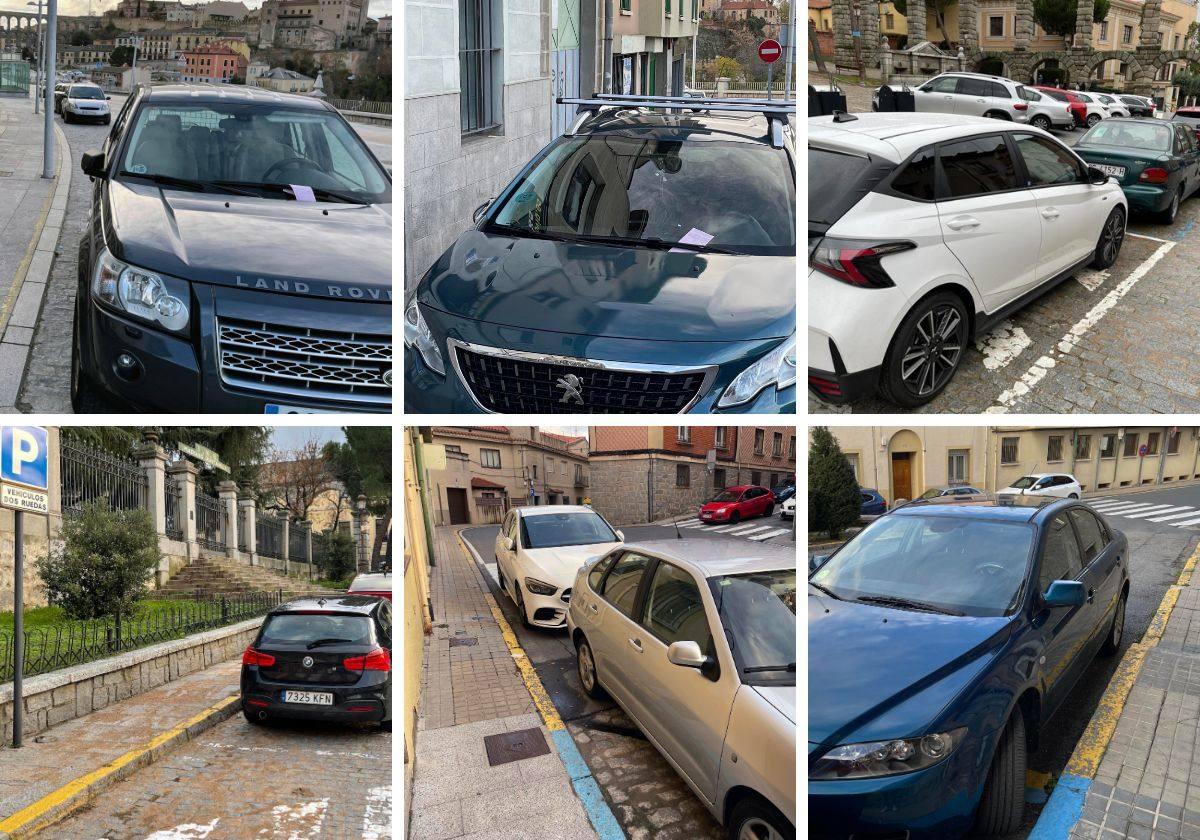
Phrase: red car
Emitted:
{"points": [[733, 504], [1078, 106]]}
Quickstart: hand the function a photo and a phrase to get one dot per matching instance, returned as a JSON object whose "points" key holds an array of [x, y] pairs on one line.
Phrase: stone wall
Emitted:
{"points": [[37, 544], [629, 490], [51, 699]]}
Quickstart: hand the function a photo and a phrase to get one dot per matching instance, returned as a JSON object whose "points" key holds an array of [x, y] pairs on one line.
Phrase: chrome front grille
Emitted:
{"points": [[282, 361]]}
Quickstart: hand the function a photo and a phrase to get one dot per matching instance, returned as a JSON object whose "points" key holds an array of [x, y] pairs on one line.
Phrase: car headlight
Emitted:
{"points": [[140, 293], [417, 334], [777, 368], [886, 758], [538, 587]]}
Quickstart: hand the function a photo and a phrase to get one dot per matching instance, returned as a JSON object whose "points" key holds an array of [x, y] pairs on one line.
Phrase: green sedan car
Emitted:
{"points": [[1156, 163]]}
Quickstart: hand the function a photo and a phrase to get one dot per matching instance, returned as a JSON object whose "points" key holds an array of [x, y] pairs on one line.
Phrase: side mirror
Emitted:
{"points": [[1065, 593], [92, 164], [510, 543], [1097, 177], [817, 561], [686, 655], [480, 210], [108, 97], [620, 536]]}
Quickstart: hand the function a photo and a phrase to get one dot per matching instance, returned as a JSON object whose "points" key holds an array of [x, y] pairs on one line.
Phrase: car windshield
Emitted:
{"points": [[85, 92], [690, 190], [931, 493], [265, 150], [550, 530], [758, 613], [727, 496], [305, 628], [937, 563], [1024, 481], [1057, 94]]}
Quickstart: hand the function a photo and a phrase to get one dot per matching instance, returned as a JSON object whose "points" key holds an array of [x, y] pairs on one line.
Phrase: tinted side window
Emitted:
{"points": [[674, 608], [597, 572], [1060, 557], [916, 179], [621, 585], [1091, 535], [974, 87], [978, 166], [999, 91], [1046, 162], [943, 85]]}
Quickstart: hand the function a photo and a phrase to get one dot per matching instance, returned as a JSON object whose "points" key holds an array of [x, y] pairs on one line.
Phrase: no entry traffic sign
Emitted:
{"points": [[769, 51]]}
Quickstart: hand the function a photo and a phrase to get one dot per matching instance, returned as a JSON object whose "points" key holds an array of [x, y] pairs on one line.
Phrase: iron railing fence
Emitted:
{"points": [[298, 536], [320, 551], [73, 643], [174, 509], [269, 532], [210, 521], [363, 106], [90, 474]]}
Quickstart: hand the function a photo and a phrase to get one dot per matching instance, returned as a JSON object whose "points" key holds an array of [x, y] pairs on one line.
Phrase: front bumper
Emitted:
{"points": [[711, 516], [98, 116], [546, 611], [367, 701], [180, 374]]}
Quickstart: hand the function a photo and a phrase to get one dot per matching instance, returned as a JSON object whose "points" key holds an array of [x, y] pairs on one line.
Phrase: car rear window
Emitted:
{"points": [[839, 180], [1138, 134], [977, 166], [306, 628]]}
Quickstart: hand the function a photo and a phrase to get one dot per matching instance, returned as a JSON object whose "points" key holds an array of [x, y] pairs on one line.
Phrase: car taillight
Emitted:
{"points": [[855, 261], [254, 657], [376, 660], [1020, 106], [1154, 175]]}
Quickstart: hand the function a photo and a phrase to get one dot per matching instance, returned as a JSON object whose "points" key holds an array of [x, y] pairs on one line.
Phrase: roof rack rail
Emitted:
{"points": [[776, 111]]}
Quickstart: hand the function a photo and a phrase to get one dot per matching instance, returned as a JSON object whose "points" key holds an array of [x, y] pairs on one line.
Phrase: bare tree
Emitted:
{"points": [[296, 478]]}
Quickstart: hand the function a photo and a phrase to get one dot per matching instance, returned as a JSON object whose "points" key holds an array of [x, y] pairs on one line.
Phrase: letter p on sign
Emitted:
{"points": [[24, 456]]}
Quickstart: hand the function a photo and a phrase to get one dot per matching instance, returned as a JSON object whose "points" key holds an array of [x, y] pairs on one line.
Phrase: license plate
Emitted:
{"points": [[276, 408], [706, 516], [1115, 171], [311, 698]]}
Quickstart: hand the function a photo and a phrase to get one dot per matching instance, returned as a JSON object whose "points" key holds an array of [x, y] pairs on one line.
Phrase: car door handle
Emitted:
{"points": [[636, 644], [1050, 213], [963, 223]]}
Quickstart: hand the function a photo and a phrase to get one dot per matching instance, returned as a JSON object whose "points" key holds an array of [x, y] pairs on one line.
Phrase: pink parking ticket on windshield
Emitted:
{"points": [[695, 236], [302, 192]]}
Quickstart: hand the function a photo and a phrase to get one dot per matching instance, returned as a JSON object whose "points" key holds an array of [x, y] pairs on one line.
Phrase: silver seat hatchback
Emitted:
{"points": [[696, 641]]}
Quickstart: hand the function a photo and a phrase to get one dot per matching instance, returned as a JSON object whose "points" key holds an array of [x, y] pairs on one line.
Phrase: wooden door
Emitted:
{"points": [[456, 502], [901, 476]]}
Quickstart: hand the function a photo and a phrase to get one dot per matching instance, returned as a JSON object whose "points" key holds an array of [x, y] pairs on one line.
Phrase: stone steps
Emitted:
{"points": [[220, 576]]}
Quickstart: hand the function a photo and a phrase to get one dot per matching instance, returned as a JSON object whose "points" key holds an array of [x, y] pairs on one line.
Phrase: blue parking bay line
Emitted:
{"points": [[599, 814], [1063, 809]]}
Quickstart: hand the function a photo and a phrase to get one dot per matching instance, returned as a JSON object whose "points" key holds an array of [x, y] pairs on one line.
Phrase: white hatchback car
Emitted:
{"points": [[925, 230], [85, 102], [696, 641], [788, 509], [538, 552], [1096, 110], [1062, 485]]}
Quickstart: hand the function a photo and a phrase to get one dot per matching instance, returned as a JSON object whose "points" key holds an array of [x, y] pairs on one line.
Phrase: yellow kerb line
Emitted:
{"points": [[1085, 760], [32, 813]]}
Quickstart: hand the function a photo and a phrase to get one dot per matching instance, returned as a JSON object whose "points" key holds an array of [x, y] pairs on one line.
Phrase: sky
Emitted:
{"points": [[575, 431], [287, 438], [375, 9]]}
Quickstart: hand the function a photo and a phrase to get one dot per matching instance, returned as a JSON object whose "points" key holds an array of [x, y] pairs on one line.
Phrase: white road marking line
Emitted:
{"points": [[690, 525], [755, 530], [290, 820], [377, 819], [1038, 370], [743, 528], [1137, 510], [773, 533], [1003, 344], [1170, 509], [1144, 236], [1186, 522], [186, 831], [1112, 509], [1100, 504], [1091, 279], [1171, 517], [725, 528]]}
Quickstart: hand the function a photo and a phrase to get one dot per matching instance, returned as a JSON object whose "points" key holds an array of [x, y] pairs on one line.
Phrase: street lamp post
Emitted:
{"points": [[51, 48]]}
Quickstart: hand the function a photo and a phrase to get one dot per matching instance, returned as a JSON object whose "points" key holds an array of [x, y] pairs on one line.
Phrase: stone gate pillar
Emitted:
{"points": [[228, 493], [250, 523], [1024, 28], [286, 550], [184, 474], [968, 26], [153, 460], [917, 31]]}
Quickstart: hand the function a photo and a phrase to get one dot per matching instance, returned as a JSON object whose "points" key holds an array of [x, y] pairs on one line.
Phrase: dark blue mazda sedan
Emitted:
{"points": [[941, 639]]}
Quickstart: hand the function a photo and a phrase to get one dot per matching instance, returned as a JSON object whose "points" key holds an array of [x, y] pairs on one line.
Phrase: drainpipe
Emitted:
{"points": [[419, 461], [608, 37]]}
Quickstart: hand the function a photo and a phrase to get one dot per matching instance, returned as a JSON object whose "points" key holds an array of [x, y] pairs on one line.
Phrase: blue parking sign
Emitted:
{"points": [[24, 456]]}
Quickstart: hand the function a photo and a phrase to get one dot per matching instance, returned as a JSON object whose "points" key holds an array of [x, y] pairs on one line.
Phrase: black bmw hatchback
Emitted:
{"points": [[321, 659], [237, 259]]}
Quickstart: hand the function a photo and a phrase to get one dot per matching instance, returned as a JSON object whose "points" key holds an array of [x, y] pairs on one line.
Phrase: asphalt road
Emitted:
{"points": [[1157, 551]]}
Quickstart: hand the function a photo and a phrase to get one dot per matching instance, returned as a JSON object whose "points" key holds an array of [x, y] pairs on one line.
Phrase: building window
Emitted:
{"points": [[1173, 442], [756, 477], [683, 475], [1009, 450], [958, 466], [489, 458], [1083, 447], [683, 434], [889, 22], [626, 5], [1054, 448], [668, 7], [1152, 443], [1103, 30], [852, 457], [1108, 446], [1127, 34], [533, 471], [777, 444], [760, 437], [792, 448], [996, 26], [478, 60], [720, 437]]}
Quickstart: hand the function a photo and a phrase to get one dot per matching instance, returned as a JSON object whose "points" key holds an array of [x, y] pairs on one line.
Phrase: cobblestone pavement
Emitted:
{"points": [[287, 782]]}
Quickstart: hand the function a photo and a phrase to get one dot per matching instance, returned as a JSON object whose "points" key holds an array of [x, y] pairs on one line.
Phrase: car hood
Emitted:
{"points": [[718, 505], [559, 565], [315, 249], [873, 660], [781, 697], [613, 291], [1014, 491]]}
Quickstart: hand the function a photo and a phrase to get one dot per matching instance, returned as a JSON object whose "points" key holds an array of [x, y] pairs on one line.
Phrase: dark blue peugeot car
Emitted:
{"points": [[643, 262], [942, 638]]}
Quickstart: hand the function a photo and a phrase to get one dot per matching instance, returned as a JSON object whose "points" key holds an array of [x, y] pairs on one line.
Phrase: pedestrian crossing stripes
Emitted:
{"points": [[754, 530], [1175, 516]]}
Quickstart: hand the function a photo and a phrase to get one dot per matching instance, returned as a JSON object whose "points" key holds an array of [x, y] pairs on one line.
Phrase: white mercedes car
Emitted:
{"points": [[538, 552], [1044, 484]]}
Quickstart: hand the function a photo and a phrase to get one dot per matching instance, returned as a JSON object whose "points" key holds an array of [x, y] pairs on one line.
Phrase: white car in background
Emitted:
{"points": [[1061, 485], [1095, 110], [85, 102], [538, 552], [375, 584], [788, 509], [1114, 106], [1046, 112]]}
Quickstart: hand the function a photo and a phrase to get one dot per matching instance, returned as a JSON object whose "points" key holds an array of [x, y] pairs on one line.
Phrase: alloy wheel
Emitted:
{"points": [[932, 356], [758, 829], [1114, 235], [587, 669]]}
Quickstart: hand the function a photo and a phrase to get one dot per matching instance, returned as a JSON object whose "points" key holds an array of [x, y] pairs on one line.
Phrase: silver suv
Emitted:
{"points": [[974, 94]]}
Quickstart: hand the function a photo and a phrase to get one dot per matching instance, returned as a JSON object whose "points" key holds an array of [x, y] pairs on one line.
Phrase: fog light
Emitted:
{"points": [[127, 367]]}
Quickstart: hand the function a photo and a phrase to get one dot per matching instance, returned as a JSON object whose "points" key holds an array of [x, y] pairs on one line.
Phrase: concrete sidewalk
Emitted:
{"points": [[32, 209], [82, 756], [1136, 770], [472, 688]]}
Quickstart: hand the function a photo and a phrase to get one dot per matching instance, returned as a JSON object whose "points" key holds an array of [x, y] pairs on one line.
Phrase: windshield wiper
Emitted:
{"points": [[286, 189], [826, 590], [656, 242], [906, 603], [759, 669], [186, 183], [322, 642]]}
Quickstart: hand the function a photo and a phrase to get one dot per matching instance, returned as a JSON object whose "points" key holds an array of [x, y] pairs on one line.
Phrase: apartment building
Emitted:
{"points": [[650, 48], [216, 63], [766, 455], [316, 24], [282, 80]]}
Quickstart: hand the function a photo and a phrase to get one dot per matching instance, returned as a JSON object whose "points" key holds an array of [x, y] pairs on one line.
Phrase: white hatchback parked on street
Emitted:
{"points": [[925, 230], [538, 552], [1060, 485]]}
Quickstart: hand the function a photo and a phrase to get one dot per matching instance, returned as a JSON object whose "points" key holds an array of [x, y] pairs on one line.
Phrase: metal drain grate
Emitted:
{"points": [[469, 641], [514, 746]]}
